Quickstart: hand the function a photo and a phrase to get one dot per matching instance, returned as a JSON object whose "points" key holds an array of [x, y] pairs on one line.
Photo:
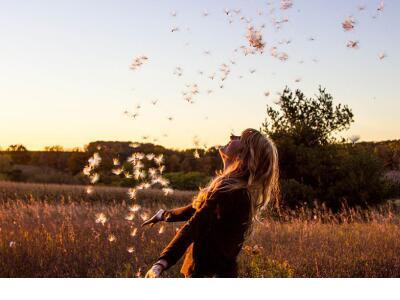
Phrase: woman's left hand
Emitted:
{"points": [[156, 270]]}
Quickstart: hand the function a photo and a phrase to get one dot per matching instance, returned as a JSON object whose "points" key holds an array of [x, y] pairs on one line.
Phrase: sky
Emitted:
{"points": [[65, 76]]}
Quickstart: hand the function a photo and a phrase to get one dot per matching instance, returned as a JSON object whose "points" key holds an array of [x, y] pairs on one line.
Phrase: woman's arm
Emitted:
{"points": [[195, 227], [179, 214]]}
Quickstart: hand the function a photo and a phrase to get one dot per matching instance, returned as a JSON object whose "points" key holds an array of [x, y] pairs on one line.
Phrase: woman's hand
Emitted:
{"points": [[156, 270], [156, 218]]}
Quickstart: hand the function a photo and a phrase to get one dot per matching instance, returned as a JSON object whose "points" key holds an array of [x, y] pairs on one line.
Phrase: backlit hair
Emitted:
{"points": [[255, 168]]}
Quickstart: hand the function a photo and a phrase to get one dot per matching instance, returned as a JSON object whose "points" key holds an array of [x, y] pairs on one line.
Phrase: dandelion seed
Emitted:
{"points": [[115, 161], [101, 218], [134, 145], [87, 170], [352, 44], [348, 24], [175, 29], [130, 217], [154, 102], [196, 154], [286, 4], [283, 56], [94, 178], [128, 175], [132, 193], [161, 230], [254, 38], [354, 138], [130, 249], [173, 13], [89, 190], [95, 160], [112, 238], [138, 62], [267, 93], [159, 159], [297, 80], [161, 169], [12, 244], [135, 208], [150, 156], [133, 232], [167, 191], [381, 6], [382, 55], [205, 13]]}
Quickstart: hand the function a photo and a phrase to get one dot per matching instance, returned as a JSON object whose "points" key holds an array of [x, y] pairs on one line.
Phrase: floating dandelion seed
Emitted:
{"points": [[196, 154], [95, 160], [115, 161], [130, 249], [94, 178], [252, 71], [354, 138], [135, 208], [159, 159], [173, 13], [112, 238], [381, 6], [134, 145], [297, 79], [352, 44], [382, 55], [286, 4], [89, 190], [138, 62], [161, 230], [175, 29], [167, 191], [132, 193], [150, 156], [101, 218], [267, 93], [133, 232], [254, 38], [117, 171], [205, 13], [128, 175], [130, 217], [348, 24]]}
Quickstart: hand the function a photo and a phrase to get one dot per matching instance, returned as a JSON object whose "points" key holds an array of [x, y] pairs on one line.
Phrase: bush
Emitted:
{"points": [[187, 181]]}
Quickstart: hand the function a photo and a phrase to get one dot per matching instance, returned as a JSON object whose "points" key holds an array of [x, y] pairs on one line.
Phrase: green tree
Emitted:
{"points": [[309, 121]]}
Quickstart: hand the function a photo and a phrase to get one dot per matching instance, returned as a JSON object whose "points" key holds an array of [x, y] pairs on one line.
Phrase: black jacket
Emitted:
{"points": [[212, 236]]}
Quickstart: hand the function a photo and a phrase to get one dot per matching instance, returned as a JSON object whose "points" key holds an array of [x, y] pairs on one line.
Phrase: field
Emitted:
{"points": [[51, 231]]}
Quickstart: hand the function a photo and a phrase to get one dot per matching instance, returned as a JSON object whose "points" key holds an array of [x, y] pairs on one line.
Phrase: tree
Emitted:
{"points": [[308, 121], [314, 165]]}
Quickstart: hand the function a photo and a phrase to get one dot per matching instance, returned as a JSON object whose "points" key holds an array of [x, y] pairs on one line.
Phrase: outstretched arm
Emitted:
{"points": [[179, 214]]}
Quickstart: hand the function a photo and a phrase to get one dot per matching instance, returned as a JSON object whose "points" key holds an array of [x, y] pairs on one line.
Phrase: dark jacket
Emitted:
{"points": [[212, 236]]}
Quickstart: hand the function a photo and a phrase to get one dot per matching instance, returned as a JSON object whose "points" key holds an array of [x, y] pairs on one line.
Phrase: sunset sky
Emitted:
{"points": [[65, 76]]}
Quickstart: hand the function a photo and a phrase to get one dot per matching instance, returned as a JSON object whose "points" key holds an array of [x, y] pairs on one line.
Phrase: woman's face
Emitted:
{"points": [[231, 149]]}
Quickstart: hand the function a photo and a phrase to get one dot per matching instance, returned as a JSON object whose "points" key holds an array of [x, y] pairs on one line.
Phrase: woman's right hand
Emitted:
{"points": [[156, 218]]}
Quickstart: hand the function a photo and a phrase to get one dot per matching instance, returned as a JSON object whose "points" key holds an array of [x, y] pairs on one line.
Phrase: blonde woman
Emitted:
{"points": [[221, 215]]}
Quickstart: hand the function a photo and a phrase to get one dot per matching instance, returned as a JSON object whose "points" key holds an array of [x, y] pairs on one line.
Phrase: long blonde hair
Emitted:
{"points": [[255, 168]]}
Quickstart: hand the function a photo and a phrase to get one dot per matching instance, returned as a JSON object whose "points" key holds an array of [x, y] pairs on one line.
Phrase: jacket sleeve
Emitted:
{"points": [[179, 214], [197, 226]]}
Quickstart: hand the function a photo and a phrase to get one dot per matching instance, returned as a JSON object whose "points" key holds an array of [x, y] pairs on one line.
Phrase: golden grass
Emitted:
{"points": [[50, 231]]}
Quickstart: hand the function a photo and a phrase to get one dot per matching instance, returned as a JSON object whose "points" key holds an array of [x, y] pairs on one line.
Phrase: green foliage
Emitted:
{"points": [[187, 181], [314, 165], [308, 121]]}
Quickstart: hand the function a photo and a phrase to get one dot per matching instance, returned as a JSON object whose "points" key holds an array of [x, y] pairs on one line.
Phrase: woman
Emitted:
{"points": [[221, 215]]}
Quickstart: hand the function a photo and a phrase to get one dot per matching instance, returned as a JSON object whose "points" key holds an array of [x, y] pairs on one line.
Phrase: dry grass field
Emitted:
{"points": [[51, 231]]}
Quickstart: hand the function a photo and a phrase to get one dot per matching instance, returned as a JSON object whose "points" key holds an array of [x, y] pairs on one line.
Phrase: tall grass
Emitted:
{"points": [[50, 231]]}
